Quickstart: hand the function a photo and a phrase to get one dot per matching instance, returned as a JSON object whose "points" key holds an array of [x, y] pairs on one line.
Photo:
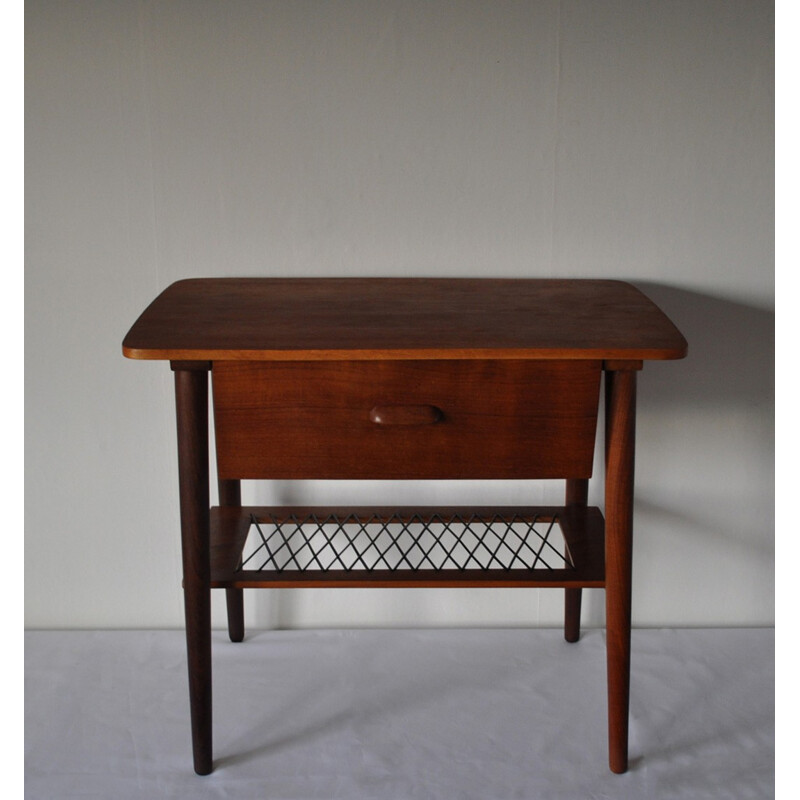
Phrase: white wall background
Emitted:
{"points": [[606, 138]]}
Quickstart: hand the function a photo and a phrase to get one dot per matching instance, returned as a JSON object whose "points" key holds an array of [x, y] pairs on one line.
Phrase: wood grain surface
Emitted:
{"points": [[400, 318], [496, 419]]}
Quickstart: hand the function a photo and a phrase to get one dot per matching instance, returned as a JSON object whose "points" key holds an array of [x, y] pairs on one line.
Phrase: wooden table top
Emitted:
{"points": [[260, 319]]}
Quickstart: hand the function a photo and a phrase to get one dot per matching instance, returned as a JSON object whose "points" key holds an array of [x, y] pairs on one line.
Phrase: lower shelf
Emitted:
{"points": [[534, 546]]}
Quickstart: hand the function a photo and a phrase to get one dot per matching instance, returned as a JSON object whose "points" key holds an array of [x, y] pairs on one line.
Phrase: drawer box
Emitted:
{"points": [[405, 419]]}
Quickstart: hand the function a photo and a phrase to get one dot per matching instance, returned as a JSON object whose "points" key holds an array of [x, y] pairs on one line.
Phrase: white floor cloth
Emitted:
{"points": [[389, 714]]}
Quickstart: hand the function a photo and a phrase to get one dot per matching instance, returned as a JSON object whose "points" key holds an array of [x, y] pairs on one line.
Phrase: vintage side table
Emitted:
{"points": [[404, 379]]}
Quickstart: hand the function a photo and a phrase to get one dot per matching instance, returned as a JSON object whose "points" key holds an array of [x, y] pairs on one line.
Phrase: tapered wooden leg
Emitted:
{"points": [[620, 437], [191, 396], [234, 600], [577, 496], [572, 614], [230, 494]]}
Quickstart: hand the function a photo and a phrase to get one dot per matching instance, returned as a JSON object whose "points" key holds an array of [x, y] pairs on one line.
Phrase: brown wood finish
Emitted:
{"points": [[577, 497], [191, 403], [404, 378], [499, 419], [401, 318], [230, 494], [582, 530], [405, 415], [620, 440]]}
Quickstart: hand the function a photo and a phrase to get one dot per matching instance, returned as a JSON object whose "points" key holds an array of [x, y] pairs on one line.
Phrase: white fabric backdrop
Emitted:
{"points": [[450, 714], [543, 138]]}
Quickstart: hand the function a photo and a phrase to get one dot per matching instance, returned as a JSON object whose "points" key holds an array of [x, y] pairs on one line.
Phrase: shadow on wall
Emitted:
{"points": [[729, 371], [730, 366], [731, 359]]}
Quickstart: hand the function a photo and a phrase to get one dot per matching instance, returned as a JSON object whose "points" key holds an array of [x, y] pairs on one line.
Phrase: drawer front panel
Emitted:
{"points": [[406, 419]]}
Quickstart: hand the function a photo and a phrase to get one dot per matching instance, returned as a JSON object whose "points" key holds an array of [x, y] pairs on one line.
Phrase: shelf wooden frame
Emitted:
{"points": [[582, 529]]}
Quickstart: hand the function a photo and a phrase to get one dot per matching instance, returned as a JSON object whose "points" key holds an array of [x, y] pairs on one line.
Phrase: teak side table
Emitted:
{"points": [[404, 379]]}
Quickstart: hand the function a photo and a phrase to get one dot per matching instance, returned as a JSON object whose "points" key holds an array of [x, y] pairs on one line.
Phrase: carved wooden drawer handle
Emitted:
{"points": [[405, 415]]}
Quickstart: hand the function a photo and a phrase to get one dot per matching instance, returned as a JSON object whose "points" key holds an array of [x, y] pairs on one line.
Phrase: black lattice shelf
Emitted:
{"points": [[531, 546]]}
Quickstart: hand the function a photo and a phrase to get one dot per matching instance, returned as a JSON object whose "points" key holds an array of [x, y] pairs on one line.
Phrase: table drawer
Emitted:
{"points": [[406, 419]]}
